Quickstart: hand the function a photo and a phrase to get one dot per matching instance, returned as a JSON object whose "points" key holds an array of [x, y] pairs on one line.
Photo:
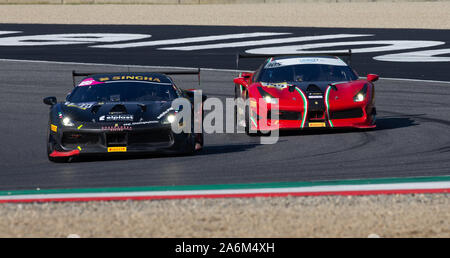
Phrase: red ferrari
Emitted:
{"points": [[319, 91]]}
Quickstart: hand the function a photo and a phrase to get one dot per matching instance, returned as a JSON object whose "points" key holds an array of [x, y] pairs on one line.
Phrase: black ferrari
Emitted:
{"points": [[117, 113]]}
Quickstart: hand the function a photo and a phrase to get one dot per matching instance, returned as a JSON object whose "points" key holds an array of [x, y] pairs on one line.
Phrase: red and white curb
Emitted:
{"points": [[366, 189]]}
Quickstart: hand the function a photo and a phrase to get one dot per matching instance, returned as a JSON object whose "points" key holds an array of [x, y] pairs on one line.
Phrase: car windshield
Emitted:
{"points": [[306, 73], [123, 92]]}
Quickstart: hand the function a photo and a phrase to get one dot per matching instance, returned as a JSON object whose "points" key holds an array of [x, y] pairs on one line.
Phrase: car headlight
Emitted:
{"points": [[270, 100], [267, 97], [361, 95], [66, 121], [169, 119]]}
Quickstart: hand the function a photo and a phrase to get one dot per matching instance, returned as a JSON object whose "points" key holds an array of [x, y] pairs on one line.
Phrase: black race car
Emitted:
{"points": [[120, 113]]}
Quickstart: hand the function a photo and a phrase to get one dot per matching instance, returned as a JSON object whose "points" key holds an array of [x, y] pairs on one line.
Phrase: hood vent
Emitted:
{"points": [[143, 107], [313, 88], [118, 109], [95, 109]]}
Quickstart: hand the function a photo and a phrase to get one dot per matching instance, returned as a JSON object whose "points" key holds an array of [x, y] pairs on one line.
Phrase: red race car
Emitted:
{"points": [[311, 91]]}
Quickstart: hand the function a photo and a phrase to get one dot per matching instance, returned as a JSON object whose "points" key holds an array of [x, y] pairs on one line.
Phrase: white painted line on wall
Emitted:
{"points": [[265, 42], [191, 40]]}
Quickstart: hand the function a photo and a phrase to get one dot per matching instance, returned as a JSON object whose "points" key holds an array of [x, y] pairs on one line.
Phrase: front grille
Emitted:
{"points": [[75, 139], [116, 139], [290, 115], [118, 109], [156, 136], [313, 88], [349, 113], [286, 115], [315, 115]]}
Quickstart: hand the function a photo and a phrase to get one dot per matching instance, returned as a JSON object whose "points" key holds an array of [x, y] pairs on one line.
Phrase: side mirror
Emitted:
{"points": [[241, 81], [372, 77], [50, 101], [191, 92], [246, 75]]}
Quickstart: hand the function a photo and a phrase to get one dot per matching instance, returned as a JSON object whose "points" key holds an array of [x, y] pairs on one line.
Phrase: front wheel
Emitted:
{"points": [[193, 142], [247, 123]]}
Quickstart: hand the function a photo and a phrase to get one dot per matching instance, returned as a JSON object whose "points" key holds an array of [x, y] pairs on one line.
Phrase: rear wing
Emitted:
{"points": [[348, 56], [166, 72]]}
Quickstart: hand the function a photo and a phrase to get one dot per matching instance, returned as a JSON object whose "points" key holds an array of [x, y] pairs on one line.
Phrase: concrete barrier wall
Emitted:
{"points": [[194, 1]]}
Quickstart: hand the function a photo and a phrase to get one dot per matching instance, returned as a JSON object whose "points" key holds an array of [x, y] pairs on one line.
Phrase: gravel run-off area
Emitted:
{"points": [[327, 216], [429, 15]]}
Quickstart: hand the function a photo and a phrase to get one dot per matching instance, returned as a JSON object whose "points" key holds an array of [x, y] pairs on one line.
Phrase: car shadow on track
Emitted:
{"points": [[221, 149], [383, 123], [387, 123], [207, 150]]}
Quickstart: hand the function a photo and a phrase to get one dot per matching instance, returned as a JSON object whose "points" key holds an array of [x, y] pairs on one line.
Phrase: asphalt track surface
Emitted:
{"points": [[411, 139]]}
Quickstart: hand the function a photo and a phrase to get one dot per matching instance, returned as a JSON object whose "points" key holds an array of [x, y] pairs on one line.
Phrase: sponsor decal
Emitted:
{"points": [[82, 106], [273, 64], [54, 128], [279, 86], [321, 124], [141, 123], [89, 82], [130, 77], [303, 61], [315, 95], [116, 128], [114, 118], [117, 149]]}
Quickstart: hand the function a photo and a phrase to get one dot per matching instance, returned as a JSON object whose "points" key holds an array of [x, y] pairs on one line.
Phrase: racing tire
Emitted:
{"points": [[189, 146], [247, 123], [199, 140], [374, 115]]}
